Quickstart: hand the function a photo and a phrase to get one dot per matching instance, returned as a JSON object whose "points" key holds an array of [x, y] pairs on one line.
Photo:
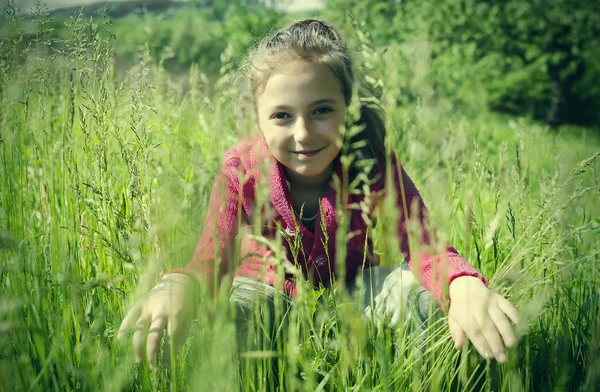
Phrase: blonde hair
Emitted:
{"points": [[319, 42]]}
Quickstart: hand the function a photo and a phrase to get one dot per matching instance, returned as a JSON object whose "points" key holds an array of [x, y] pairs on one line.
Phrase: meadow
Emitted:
{"points": [[105, 176]]}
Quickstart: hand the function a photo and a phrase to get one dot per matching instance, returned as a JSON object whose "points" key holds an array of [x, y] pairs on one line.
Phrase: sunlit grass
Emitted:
{"points": [[104, 185]]}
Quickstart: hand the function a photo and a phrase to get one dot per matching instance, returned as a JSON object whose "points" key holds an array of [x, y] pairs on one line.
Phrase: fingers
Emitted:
{"points": [[509, 310], [172, 341], [176, 334], [177, 331], [148, 335], [503, 326], [483, 316], [129, 320], [457, 333], [139, 337], [492, 337], [157, 328], [169, 303], [478, 338], [488, 332], [173, 327]]}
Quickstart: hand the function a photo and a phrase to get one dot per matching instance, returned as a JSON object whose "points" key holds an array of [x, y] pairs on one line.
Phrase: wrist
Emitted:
{"points": [[177, 276], [178, 280], [463, 282]]}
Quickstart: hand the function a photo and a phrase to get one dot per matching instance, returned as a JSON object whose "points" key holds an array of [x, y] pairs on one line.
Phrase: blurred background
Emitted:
{"points": [[528, 58]]}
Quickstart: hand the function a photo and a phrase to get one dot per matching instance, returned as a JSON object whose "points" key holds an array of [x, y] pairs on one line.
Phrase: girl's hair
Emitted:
{"points": [[319, 42]]}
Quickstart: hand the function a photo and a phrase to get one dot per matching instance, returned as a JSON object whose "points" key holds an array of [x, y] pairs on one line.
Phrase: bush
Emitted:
{"points": [[534, 58]]}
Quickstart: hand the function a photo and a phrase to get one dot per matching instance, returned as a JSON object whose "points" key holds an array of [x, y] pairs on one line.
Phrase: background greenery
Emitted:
{"points": [[112, 129], [536, 58]]}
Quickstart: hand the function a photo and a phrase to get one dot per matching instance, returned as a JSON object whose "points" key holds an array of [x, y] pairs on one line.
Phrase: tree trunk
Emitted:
{"points": [[556, 113]]}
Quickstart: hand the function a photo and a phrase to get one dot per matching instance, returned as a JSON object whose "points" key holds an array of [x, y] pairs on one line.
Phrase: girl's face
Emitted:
{"points": [[301, 113]]}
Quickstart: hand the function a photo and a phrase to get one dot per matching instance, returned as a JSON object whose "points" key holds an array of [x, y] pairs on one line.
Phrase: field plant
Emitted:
{"points": [[104, 182]]}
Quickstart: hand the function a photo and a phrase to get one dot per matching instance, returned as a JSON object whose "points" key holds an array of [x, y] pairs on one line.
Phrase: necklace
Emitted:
{"points": [[303, 219]]}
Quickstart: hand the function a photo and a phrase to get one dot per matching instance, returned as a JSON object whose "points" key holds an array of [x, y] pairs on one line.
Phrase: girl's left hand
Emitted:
{"points": [[481, 315]]}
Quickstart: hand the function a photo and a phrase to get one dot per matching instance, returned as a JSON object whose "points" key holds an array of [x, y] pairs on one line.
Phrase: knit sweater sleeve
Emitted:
{"points": [[433, 269], [216, 247]]}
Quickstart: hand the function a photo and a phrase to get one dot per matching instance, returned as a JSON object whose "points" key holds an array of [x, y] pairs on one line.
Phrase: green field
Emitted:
{"points": [[104, 181]]}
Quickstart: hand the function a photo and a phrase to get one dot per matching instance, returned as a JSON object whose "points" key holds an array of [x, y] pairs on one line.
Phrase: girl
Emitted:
{"points": [[301, 79]]}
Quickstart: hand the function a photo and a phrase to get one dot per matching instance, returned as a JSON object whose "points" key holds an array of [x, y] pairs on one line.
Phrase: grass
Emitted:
{"points": [[104, 185]]}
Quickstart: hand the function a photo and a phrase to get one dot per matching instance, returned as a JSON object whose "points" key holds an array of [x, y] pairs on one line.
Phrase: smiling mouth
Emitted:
{"points": [[307, 153]]}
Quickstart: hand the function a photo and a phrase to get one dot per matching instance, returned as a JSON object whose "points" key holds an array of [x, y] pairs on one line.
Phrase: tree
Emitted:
{"points": [[539, 57]]}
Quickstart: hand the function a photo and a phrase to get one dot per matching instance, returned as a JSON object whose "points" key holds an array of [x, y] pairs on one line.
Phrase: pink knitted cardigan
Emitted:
{"points": [[234, 204]]}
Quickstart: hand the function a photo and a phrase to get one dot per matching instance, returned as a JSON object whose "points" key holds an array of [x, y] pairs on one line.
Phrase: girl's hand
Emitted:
{"points": [[481, 315], [169, 305]]}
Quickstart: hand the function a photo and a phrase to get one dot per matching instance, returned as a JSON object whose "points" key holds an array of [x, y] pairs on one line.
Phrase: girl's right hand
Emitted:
{"points": [[169, 306]]}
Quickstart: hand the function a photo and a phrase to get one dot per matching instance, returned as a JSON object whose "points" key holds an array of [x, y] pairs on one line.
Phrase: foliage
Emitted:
{"points": [[528, 58], [178, 38], [533, 58], [194, 36]]}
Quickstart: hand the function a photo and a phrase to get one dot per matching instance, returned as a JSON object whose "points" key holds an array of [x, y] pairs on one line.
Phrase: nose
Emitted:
{"points": [[303, 130]]}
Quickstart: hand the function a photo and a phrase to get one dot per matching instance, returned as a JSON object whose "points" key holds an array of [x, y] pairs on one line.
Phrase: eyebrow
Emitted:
{"points": [[317, 102]]}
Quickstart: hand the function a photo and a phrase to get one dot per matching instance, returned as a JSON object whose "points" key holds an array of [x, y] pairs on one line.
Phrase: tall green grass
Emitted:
{"points": [[104, 184]]}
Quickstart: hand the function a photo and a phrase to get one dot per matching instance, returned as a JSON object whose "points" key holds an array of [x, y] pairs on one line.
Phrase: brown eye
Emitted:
{"points": [[280, 116], [323, 110]]}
